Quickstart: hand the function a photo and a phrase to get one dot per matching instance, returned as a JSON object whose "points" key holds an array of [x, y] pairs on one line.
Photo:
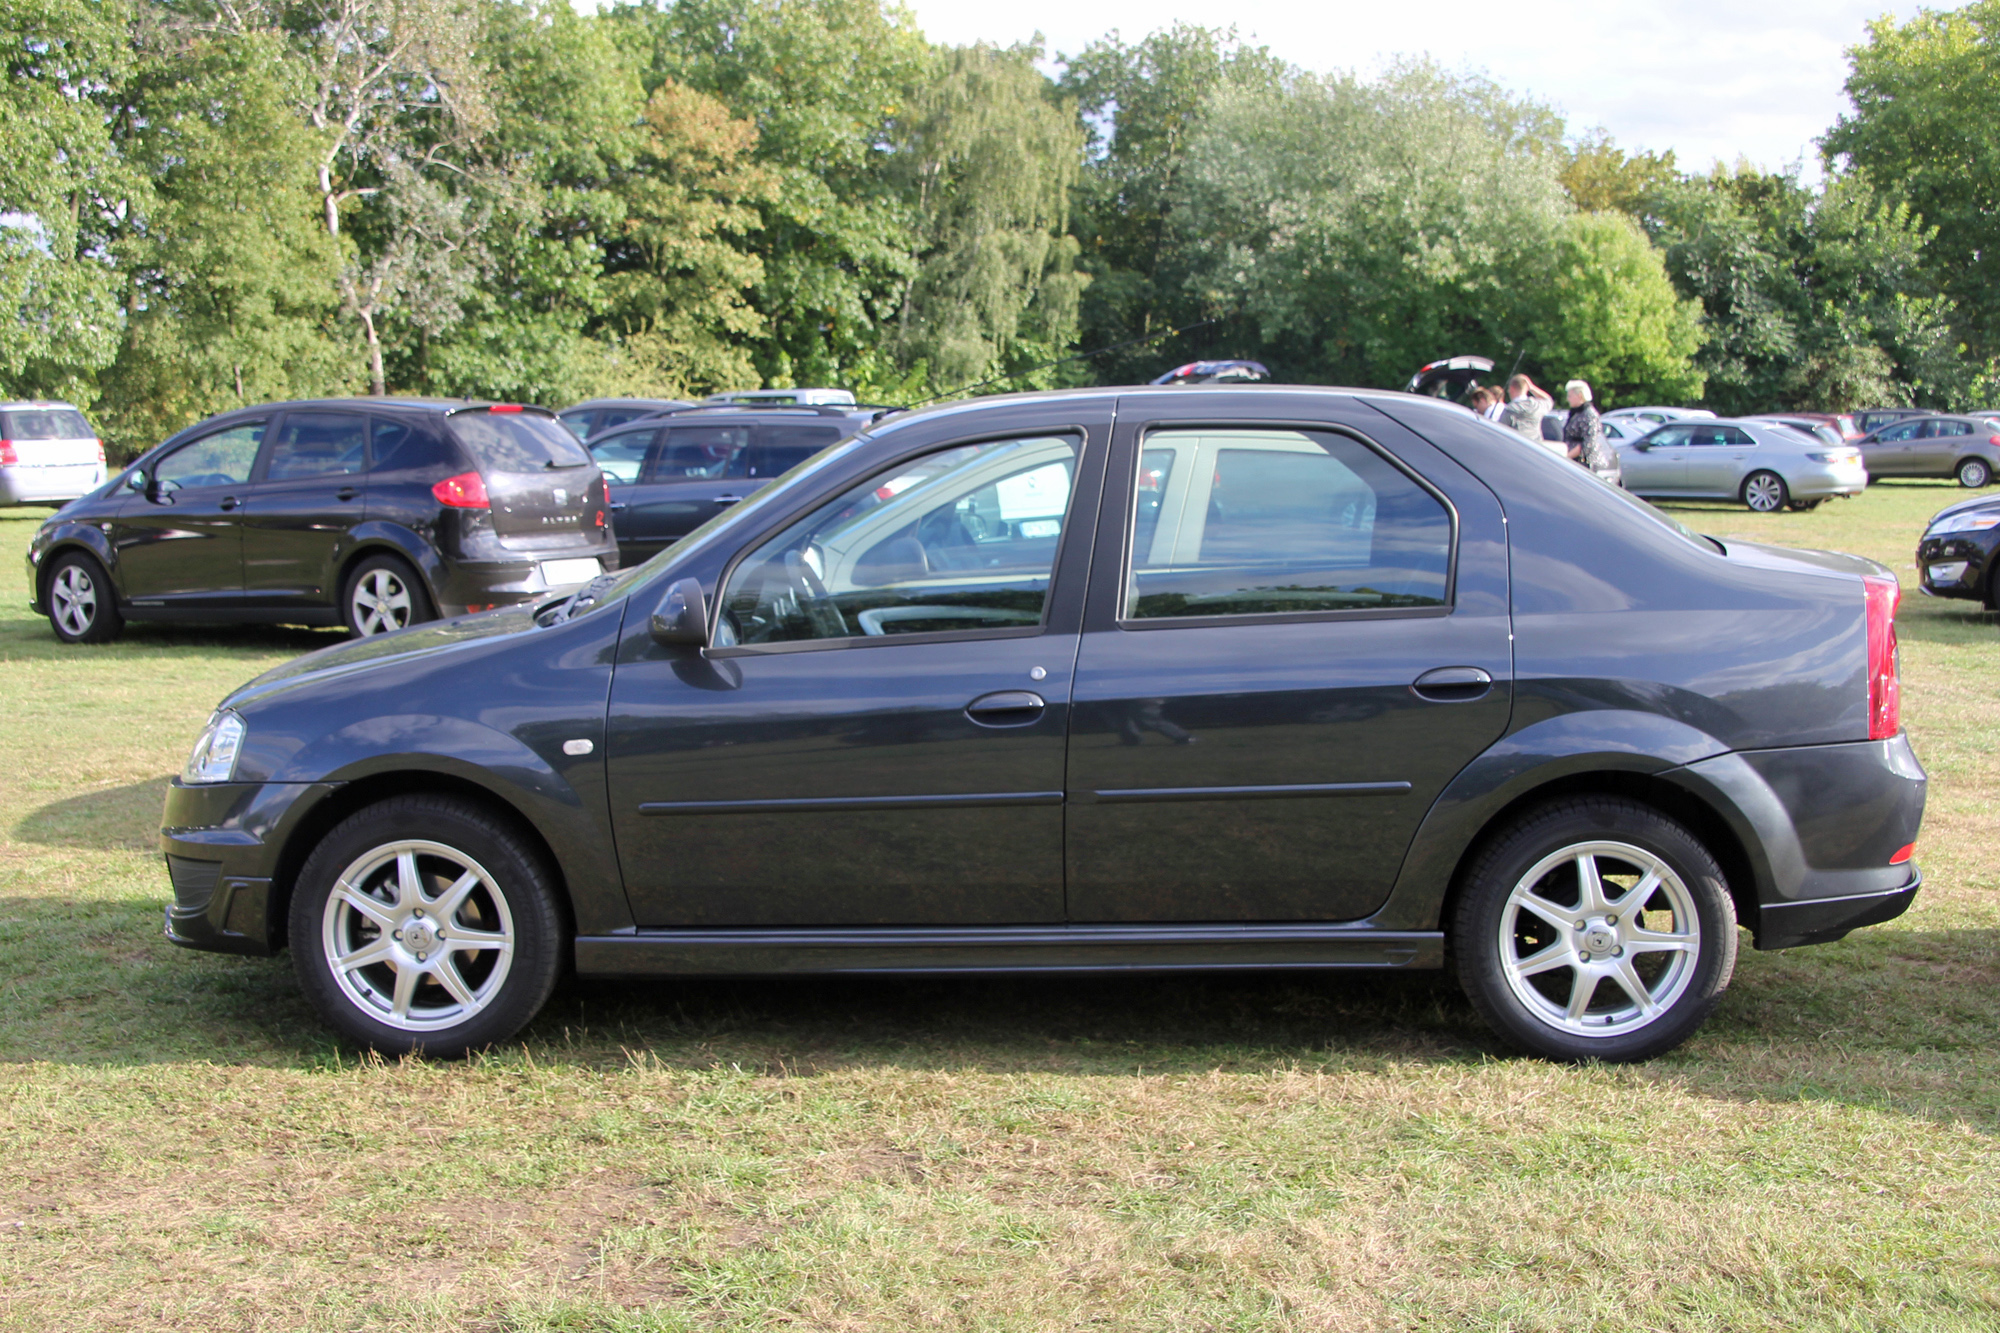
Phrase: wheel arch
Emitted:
{"points": [[373, 539], [352, 797], [76, 538]]}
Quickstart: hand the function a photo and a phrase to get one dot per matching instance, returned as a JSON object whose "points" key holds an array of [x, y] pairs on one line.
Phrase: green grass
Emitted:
{"points": [[182, 1146]]}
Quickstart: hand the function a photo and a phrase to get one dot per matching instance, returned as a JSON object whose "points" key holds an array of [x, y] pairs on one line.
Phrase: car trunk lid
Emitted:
{"points": [[545, 492]]}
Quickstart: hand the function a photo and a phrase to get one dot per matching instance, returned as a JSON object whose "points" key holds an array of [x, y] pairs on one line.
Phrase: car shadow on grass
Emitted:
{"points": [[106, 819], [34, 638]]}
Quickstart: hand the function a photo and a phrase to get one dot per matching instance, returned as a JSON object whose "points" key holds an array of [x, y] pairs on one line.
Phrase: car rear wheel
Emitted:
{"points": [[83, 608], [384, 594], [1974, 473], [1595, 929], [1765, 492], [426, 924]]}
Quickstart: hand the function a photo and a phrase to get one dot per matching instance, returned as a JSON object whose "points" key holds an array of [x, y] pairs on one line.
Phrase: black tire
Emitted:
{"points": [[1804, 506], [1765, 492], [383, 593], [1973, 473], [512, 897], [83, 606], [1520, 994]]}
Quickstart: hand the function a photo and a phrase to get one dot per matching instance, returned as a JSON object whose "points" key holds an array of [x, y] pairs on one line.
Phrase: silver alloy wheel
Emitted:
{"points": [[1764, 493], [1599, 939], [1973, 474], [381, 602], [74, 593], [417, 935]]}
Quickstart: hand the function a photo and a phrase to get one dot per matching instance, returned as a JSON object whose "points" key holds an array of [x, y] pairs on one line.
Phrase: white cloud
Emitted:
{"points": [[1713, 80]]}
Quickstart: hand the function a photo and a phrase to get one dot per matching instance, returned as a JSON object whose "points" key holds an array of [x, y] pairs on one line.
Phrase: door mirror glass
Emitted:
{"points": [[139, 481], [682, 616], [962, 539]]}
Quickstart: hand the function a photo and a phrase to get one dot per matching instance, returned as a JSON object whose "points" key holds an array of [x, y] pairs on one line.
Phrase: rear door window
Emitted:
{"points": [[318, 444], [517, 442], [403, 446], [1278, 522], [45, 423]]}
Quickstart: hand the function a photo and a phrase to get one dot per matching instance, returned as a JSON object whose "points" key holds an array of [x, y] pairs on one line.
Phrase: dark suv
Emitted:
{"points": [[1111, 680], [374, 513], [668, 474]]}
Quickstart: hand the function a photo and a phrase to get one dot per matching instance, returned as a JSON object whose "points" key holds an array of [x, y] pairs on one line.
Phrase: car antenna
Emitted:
{"points": [[1048, 365]]}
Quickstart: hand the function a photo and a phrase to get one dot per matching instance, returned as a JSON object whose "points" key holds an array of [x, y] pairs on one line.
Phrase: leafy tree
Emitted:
{"points": [[1601, 177], [1926, 122], [61, 184], [1610, 315]]}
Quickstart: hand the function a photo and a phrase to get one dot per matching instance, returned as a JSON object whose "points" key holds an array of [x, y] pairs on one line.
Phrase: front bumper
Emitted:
{"points": [[223, 844], [1956, 565]]}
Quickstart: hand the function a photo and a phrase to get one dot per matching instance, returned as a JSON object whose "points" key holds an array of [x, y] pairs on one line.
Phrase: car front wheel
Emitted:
{"points": [[384, 594], [1595, 929], [1765, 492], [1974, 473], [426, 924], [83, 608]]}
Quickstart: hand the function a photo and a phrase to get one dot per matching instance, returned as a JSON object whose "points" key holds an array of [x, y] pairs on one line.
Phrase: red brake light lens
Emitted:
{"points": [[1885, 685], [100, 452], [467, 490], [1908, 850], [8, 455], [504, 407]]}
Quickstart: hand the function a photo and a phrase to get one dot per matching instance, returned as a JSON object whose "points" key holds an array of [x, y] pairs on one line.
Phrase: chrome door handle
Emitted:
{"points": [[1452, 685], [1007, 708], [345, 493], [618, 504], [228, 502], [728, 499]]}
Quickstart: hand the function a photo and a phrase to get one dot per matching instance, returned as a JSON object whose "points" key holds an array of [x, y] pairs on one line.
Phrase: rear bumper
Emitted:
{"points": [[484, 583], [1822, 483], [21, 484], [1824, 920]]}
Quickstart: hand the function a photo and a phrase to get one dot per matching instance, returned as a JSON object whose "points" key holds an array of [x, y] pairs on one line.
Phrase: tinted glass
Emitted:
{"points": [[578, 423], [960, 540], [1715, 435], [697, 453], [1669, 437], [1943, 428], [622, 457], [1904, 432], [318, 444], [779, 449], [47, 423], [517, 442], [221, 459], [1260, 522], [618, 416], [402, 446]]}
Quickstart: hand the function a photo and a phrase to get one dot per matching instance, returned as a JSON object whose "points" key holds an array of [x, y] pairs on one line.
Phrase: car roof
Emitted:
{"points": [[35, 404]]}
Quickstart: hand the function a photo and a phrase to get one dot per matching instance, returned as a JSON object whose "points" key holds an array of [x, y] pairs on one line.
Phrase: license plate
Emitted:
{"points": [[555, 573]]}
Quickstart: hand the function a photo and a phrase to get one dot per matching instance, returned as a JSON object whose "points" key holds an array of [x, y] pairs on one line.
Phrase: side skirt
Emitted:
{"points": [[932, 949]]}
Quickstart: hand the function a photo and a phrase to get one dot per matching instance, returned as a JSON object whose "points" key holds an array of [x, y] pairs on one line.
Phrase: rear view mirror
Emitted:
{"points": [[682, 616]]}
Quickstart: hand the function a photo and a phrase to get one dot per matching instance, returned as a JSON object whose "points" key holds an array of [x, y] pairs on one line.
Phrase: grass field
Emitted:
{"points": [[182, 1146]]}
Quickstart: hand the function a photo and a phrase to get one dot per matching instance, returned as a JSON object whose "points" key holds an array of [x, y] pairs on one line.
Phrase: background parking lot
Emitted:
{"points": [[183, 1145]]}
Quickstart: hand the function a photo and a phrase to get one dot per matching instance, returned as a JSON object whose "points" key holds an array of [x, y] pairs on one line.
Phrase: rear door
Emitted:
{"points": [[1718, 458], [1296, 636], [310, 491], [1936, 450], [180, 545]]}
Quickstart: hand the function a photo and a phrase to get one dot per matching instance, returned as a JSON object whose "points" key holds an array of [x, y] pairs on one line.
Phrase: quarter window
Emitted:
{"points": [[964, 539], [1274, 522], [317, 444], [222, 459]]}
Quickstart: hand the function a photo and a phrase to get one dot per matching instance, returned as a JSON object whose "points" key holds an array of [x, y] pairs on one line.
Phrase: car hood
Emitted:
{"points": [[437, 636], [1974, 502], [1794, 558]]}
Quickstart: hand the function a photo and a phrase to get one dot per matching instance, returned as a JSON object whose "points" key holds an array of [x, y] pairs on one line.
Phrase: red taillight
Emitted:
{"points": [[100, 452], [1885, 686], [467, 490], [1908, 850], [8, 457], [504, 407], [1993, 439]]}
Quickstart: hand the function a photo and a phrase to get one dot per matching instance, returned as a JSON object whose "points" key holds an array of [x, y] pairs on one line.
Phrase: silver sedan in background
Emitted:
{"points": [[1760, 463]]}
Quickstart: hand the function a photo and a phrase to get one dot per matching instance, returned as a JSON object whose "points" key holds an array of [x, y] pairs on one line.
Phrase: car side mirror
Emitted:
{"points": [[140, 481], [682, 616]]}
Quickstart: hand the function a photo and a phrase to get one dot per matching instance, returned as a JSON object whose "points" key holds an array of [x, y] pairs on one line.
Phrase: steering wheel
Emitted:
{"points": [[820, 608]]}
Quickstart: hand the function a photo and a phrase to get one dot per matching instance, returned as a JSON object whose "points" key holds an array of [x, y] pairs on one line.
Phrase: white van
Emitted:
{"points": [[48, 454]]}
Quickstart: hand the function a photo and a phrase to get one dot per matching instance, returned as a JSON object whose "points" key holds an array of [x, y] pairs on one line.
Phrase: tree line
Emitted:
{"points": [[205, 203]]}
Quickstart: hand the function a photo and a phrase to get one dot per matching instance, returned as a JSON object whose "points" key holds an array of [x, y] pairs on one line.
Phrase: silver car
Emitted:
{"points": [[1648, 417], [1766, 466], [48, 454]]}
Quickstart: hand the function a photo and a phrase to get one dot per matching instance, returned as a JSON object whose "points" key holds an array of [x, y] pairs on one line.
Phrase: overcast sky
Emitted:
{"points": [[1711, 79]]}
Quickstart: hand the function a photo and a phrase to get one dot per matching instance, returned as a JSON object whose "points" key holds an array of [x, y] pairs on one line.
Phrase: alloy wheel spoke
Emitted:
{"points": [[1635, 898], [1554, 956], [1554, 913], [1589, 887], [1637, 939], [374, 951], [375, 910], [447, 903], [409, 885], [406, 989], [446, 975], [1634, 985], [474, 941], [1581, 989]]}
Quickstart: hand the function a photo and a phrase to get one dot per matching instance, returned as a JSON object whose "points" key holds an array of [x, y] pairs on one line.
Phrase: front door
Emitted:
{"points": [[310, 491], [1659, 466], [1295, 639], [687, 480], [877, 736], [1890, 452], [180, 544]]}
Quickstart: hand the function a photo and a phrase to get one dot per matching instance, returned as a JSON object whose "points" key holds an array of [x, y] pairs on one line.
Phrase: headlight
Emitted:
{"points": [[1973, 521], [214, 757], [1837, 456]]}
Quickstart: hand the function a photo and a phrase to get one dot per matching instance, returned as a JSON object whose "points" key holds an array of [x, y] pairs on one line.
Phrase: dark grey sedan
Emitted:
{"points": [[1101, 681]]}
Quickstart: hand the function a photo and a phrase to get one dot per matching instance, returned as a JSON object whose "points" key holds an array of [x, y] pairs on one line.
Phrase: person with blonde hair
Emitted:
{"points": [[1583, 433]]}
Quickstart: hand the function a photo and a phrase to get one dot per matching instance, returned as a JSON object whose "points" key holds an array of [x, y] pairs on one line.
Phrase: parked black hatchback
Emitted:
{"points": [[670, 473], [1209, 677], [373, 513]]}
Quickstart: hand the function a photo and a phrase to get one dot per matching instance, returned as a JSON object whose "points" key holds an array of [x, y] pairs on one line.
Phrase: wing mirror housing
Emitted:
{"points": [[140, 481], [681, 619]]}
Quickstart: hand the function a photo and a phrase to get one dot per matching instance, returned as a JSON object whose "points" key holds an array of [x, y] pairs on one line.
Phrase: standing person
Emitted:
{"points": [[1583, 434], [1527, 403], [1496, 404], [1478, 400]]}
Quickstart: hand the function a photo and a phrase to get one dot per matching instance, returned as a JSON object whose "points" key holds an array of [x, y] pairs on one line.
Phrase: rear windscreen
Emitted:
{"points": [[48, 423], [517, 441]]}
